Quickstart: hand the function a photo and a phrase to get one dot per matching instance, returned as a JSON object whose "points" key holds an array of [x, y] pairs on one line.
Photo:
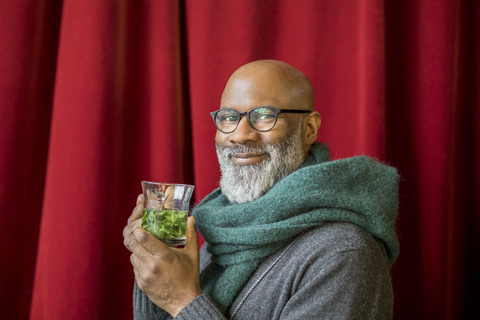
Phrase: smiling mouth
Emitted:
{"points": [[246, 155], [247, 158]]}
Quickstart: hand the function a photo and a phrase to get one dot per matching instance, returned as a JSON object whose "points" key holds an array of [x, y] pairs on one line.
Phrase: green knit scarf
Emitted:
{"points": [[358, 190]]}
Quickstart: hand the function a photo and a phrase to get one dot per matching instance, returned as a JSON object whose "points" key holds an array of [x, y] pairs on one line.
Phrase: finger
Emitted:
{"points": [[128, 232], [137, 276], [139, 253], [136, 213], [140, 199], [136, 263], [148, 244], [192, 242], [138, 269]]}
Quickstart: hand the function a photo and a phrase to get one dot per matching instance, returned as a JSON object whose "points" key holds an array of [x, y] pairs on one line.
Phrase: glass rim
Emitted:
{"points": [[168, 184]]}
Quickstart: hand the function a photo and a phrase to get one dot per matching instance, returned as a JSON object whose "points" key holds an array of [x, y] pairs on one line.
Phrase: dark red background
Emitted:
{"points": [[97, 95]]}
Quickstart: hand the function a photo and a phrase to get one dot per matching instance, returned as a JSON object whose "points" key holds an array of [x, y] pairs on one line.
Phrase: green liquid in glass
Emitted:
{"points": [[169, 226]]}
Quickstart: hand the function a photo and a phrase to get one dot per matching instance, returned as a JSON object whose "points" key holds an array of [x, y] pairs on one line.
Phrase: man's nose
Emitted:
{"points": [[244, 133]]}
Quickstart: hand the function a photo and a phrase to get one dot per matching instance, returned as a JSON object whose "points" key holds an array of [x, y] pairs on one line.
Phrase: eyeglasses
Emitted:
{"points": [[261, 118]]}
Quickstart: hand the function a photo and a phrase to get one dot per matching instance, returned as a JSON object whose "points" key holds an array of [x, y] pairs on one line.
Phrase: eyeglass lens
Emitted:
{"points": [[260, 118]]}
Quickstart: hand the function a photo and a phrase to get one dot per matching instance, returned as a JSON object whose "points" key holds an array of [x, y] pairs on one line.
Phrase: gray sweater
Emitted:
{"points": [[334, 271]]}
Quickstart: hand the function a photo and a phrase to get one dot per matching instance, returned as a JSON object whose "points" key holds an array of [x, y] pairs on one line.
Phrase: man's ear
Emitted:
{"points": [[312, 124]]}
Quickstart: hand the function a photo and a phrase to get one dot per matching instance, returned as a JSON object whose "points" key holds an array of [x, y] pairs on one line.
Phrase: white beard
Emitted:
{"points": [[245, 183]]}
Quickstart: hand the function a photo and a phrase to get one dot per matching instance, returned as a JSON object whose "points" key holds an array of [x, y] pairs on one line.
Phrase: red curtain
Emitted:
{"points": [[97, 95]]}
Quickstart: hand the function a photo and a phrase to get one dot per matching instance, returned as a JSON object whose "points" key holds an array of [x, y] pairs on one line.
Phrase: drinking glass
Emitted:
{"points": [[165, 211]]}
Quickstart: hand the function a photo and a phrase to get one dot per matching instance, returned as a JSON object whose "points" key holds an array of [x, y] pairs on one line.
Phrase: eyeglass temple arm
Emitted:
{"points": [[294, 111]]}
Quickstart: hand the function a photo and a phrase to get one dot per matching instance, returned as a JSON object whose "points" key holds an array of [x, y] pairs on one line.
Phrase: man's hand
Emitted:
{"points": [[134, 221], [168, 276]]}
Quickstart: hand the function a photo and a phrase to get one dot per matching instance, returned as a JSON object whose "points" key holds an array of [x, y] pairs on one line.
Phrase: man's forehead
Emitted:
{"points": [[253, 92]]}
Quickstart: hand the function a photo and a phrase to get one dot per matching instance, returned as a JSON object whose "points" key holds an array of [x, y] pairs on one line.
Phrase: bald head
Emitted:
{"points": [[273, 80]]}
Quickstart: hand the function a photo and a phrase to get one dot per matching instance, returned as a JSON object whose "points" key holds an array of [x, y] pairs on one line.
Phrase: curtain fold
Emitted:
{"points": [[28, 42], [98, 95], [118, 118], [431, 77]]}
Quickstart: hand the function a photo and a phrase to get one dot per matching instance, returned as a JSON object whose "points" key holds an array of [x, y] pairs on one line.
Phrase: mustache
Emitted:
{"points": [[229, 152]]}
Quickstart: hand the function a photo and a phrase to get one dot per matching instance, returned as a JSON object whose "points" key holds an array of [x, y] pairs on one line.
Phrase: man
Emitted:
{"points": [[290, 234]]}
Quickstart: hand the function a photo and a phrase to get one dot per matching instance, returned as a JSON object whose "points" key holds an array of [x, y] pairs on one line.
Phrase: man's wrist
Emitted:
{"points": [[180, 303]]}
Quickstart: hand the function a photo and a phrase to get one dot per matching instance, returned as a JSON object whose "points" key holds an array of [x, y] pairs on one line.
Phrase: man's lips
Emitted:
{"points": [[248, 158]]}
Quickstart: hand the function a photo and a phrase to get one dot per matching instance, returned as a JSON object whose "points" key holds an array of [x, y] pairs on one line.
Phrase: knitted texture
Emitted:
{"points": [[357, 190]]}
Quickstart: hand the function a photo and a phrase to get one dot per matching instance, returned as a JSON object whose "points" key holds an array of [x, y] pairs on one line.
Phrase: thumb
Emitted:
{"points": [[140, 199], [192, 242]]}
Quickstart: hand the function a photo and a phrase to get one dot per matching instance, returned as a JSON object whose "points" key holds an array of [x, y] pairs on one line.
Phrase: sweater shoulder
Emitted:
{"points": [[332, 241], [337, 236]]}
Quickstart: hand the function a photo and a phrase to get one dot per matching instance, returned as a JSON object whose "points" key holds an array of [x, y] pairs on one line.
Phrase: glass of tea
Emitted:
{"points": [[165, 211]]}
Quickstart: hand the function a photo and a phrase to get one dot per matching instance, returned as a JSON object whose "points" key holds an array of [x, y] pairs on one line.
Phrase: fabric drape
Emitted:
{"points": [[98, 95]]}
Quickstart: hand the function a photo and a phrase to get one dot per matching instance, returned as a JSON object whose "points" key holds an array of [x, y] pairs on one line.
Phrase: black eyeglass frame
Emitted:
{"points": [[247, 113]]}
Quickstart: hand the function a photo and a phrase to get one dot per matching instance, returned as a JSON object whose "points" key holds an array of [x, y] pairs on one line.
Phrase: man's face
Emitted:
{"points": [[245, 94], [252, 161]]}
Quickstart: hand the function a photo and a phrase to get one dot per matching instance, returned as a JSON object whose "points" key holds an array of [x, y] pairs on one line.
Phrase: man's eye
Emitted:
{"points": [[229, 118], [263, 117]]}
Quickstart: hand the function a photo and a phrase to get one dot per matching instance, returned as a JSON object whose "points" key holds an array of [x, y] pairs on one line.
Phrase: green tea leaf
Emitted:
{"points": [[165, 224]]}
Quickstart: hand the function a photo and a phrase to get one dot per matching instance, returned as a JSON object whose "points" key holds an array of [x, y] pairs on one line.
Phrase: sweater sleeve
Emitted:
{"points": [[145, 309], [200, 308]]}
